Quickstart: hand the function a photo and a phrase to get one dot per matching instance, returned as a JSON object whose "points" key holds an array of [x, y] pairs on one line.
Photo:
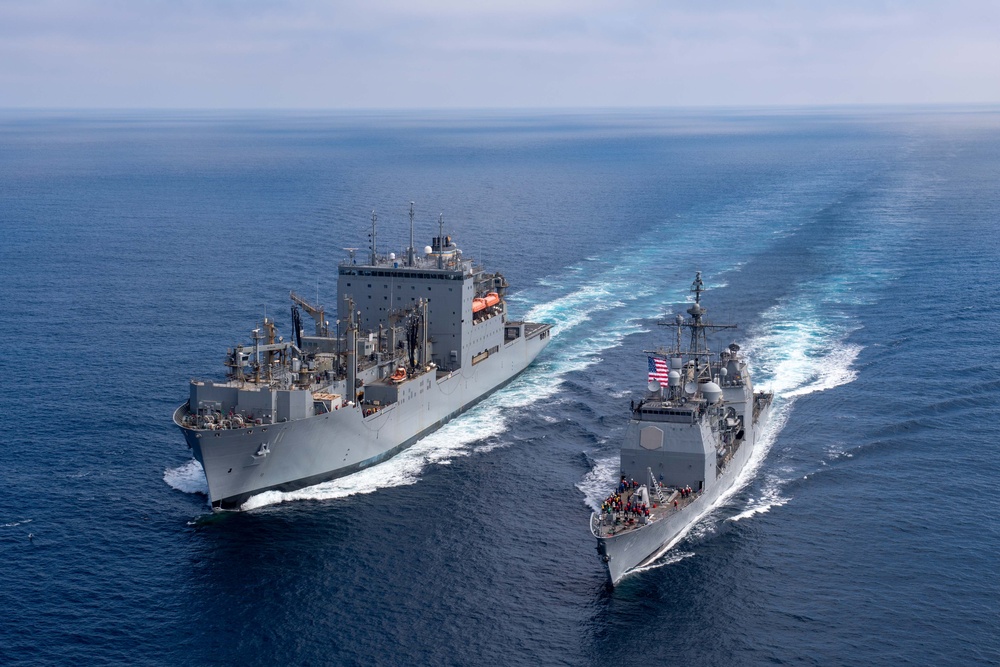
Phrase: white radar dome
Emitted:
{"points": [[712, 392], [428, 250]]}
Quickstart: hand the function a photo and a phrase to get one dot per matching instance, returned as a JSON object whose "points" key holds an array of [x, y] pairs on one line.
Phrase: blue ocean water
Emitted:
{"points": [[858, 249]]}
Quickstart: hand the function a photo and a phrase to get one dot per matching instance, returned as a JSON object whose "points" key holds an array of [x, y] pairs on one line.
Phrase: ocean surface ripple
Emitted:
{"points": [[857, 249]]}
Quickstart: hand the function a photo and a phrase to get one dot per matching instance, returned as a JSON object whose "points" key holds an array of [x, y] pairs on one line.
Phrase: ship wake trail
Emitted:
{"points": [[450, 441], [770, 496], [802, 345], [795, 353]]}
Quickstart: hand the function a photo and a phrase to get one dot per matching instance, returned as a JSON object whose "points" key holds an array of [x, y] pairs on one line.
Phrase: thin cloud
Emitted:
{"points": [[112, 53]]}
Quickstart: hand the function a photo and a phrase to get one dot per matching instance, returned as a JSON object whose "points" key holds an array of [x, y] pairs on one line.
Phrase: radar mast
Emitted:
{"points": [[409, 251]]}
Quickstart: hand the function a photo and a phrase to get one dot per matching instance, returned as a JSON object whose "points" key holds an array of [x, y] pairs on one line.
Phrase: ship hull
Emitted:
{"points": [[628, 550], [240, 463]]}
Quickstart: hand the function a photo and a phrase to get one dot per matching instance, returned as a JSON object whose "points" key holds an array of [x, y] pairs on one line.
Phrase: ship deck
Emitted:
{"points": [[532, 329], [610, 523]]}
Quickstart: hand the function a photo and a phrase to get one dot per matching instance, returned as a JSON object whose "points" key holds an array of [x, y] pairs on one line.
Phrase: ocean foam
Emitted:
{"points": [[796, 354], [666, 559], [770, 496], [450, 441], [188, 477], [598, 482]]}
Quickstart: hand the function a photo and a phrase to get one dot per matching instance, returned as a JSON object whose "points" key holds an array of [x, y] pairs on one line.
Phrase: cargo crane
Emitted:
{"points": [[316, 312]]}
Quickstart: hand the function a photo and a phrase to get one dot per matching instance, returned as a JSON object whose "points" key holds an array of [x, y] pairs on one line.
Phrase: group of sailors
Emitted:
{"points": [[621, 508], [625, 484], [683, 492], [624, 511]]}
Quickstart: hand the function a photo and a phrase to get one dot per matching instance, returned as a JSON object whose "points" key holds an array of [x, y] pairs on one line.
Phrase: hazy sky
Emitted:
{"points": [[489, 53]]}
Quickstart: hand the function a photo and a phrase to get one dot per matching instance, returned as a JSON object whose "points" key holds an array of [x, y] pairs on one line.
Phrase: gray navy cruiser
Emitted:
{"points": [[686, 443], [423, 338]]}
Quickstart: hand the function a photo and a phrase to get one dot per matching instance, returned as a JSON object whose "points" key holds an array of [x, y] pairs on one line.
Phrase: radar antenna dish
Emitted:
{"points": [[691, 388], [653, 386]]}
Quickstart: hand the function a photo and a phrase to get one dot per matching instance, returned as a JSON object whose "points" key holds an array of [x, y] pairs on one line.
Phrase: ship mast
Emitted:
{"points": [[698, 333], [441, 241], [257, 337], [699, 329], [698, 347], [409, 251], [352, 351], [372, 236]]}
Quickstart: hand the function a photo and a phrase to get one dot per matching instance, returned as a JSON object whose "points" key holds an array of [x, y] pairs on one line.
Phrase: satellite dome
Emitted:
{"points": [[675, 378], [392, 256], [428, 250], [712, 392]]}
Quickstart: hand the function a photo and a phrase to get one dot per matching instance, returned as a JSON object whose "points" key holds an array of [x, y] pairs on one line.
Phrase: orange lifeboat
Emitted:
{"points": [[399, 375], [481, 303]]}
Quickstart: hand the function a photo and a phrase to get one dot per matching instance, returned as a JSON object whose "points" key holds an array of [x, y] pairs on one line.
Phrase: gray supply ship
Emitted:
{"points": [[422, 339], [686, 443]]}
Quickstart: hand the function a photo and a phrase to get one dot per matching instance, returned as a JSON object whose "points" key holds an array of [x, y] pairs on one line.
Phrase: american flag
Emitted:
{"points": [[658, 370]]}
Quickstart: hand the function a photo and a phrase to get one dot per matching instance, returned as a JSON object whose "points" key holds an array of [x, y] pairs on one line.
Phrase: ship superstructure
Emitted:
{"points": [[686, 443], [421, 338]]}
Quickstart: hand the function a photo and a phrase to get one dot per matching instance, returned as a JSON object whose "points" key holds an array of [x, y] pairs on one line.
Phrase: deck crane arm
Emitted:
{"points": [[316, 312]]}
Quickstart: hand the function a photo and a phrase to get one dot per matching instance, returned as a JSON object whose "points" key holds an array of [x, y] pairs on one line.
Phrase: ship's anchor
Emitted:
{"points": [[262, 451]]}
